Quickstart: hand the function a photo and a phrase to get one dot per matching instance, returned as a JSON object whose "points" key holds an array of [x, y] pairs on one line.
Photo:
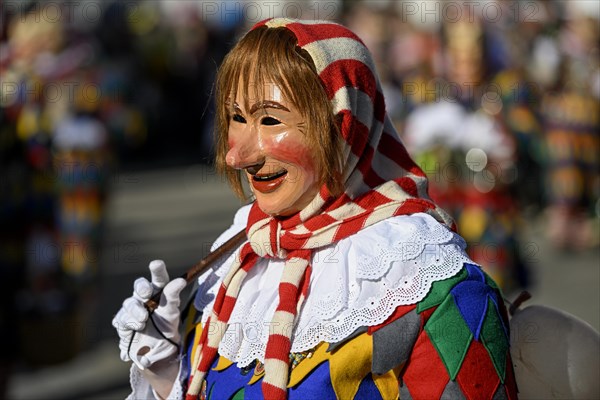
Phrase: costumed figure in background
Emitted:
{"points": [[461, 140], [352, 283], [34, 100], [572, 129], [55, 144], [82, 163]]}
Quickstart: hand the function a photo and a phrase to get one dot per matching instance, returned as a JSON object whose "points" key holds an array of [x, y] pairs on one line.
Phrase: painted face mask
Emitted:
{"points": [[267, 139]]}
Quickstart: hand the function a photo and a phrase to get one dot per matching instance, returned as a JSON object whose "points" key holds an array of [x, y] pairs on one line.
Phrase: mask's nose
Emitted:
{"points": [[245, 151]]}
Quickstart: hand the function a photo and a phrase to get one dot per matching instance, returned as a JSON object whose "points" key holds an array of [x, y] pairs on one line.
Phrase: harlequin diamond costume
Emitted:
{"points": [[364, 295]]}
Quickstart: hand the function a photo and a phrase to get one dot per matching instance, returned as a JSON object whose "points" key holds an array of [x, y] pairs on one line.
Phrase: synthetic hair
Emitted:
{"points": [[266, 55]]}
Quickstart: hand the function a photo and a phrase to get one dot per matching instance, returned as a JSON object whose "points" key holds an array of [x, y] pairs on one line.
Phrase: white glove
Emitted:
{"points": [[140, 341]]}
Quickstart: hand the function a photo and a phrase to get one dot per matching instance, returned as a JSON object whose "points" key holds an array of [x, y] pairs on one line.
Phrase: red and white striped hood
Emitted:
{"points": [[378, 172]]}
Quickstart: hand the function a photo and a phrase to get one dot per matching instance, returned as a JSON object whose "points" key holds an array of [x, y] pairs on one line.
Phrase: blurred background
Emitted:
{"points": [[106, 142]]}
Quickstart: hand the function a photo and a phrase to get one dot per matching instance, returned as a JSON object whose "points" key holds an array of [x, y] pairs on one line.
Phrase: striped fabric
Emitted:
{"points": [[381, 181]]}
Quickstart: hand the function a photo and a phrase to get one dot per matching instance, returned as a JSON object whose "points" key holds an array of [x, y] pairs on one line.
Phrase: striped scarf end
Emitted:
{"points": [[273, 392], [195, 385]]}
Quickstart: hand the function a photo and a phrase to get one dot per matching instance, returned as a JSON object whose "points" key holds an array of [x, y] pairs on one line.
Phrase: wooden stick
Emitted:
{"points": [[521, 298], [191, 274]]}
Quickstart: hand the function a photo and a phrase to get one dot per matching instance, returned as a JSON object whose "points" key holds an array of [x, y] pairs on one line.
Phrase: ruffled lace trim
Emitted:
{"points": [[357, 282]]}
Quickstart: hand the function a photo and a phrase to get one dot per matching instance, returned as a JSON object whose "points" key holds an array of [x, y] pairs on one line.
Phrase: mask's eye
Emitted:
{"points": [[270, 121], [238, 118]]}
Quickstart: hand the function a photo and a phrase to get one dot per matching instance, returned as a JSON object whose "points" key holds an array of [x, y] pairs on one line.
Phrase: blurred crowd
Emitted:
{"points": [[497, 100], [86, 89], [498, 103]]}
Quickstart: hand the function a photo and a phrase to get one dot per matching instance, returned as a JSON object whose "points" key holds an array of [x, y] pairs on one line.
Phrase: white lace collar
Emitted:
{"points": [[358, 281]]}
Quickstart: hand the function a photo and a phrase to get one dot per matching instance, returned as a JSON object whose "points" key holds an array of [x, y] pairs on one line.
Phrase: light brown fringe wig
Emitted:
{"points": [[272, 56]]}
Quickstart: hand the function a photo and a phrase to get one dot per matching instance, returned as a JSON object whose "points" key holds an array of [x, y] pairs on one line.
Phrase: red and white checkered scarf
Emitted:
{"points": [[380, 178]]}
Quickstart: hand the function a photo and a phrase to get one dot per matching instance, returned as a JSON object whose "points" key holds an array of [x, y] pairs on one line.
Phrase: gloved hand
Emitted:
{"points": [[140, 341]]}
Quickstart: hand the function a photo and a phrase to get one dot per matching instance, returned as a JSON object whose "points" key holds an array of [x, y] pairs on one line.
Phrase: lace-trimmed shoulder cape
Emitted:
{"points": [[356, 282]]}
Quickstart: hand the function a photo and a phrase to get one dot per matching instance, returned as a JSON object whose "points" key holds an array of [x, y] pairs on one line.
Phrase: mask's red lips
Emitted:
{"points": [[266, 183]]}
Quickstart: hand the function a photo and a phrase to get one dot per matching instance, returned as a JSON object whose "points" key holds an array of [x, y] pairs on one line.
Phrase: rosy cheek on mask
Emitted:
{"points": [[286, 147]]}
